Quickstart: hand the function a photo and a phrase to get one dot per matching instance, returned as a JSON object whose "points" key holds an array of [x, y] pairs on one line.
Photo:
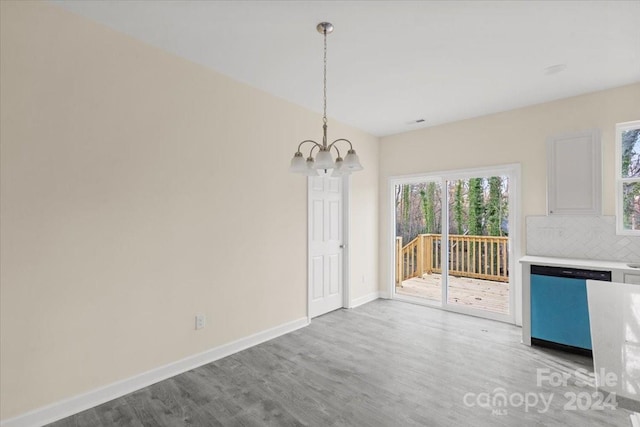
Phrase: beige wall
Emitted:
{"points": [[139, 189], [123, 214], [517, 136]]}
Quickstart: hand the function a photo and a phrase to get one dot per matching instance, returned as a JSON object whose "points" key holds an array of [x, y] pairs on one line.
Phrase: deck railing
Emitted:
{"points": [[480, 257]]}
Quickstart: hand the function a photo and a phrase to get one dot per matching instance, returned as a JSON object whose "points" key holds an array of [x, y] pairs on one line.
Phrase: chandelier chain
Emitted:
{"points": [[324, 83], [323, 159]]}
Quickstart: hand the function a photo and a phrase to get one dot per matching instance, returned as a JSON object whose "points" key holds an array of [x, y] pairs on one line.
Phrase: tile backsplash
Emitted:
{"points": [[582, 237]]}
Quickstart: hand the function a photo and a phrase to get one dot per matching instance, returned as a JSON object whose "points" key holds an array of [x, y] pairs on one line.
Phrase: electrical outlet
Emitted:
{"points": [[201, 321]]}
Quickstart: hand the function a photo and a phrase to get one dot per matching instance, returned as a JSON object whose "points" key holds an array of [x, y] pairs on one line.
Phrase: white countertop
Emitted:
{"points": [[592, 264], [615, 335]]}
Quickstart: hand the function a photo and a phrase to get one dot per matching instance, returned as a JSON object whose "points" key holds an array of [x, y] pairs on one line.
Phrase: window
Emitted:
{"points": [[628, 177]]}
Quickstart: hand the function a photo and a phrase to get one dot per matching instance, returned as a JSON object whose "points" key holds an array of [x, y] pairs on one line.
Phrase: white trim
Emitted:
{"points": [[346, 240], [450, 174], [73, 405], [513, 170], [449, 307], [392, 182], [384, 294], [309, 183], [364, 299], [418, 301], [444, 248]]}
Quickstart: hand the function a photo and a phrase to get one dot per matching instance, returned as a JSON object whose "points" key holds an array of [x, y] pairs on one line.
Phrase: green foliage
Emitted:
{"points": [[458, 208], [406, 192], [476, 206], [494, 207], [630, 211], [630, 158], [428, 197]]}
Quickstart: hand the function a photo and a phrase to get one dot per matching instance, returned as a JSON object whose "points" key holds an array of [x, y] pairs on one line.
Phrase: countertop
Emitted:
{"points": [[592, 264]]}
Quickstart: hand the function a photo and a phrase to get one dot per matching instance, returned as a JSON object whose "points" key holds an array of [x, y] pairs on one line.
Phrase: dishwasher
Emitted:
{"points": [[559, 308]]}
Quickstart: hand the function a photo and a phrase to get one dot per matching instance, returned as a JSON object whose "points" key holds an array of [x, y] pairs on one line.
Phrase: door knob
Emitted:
{"points": [[343, 246]]}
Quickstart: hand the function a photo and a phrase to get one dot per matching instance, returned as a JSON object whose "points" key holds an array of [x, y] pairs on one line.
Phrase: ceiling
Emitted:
{"points": [[391, 63]]}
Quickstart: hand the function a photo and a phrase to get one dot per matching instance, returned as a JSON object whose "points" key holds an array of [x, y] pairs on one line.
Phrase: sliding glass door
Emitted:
{"points": [[453, 240]]}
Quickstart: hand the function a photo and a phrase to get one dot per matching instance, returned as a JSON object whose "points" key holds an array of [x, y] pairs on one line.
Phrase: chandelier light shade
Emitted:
{"points": [[323, 160]]}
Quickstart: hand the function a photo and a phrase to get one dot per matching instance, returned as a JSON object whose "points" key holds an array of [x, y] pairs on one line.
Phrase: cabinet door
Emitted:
{"points": [[574, 174]]}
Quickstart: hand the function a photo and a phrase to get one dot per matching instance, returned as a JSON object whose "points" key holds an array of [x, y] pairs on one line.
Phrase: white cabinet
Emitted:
{"points": [[574, 174]]}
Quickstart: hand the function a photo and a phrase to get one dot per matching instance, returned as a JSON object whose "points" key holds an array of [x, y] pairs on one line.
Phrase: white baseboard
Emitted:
{"points": [[385, 295], [364, 299], [79, 403]]}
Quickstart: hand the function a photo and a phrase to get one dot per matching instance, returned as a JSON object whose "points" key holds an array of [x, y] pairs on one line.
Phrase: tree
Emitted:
{"points": [[428, 197], [630, 158], [406, 212], [458, 208], [410, 219], [406, 192], [476, 206], [494, 207]]}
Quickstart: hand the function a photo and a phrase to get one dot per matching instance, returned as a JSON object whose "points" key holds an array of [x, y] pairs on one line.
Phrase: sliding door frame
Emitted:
{"points": [[510, 170]]}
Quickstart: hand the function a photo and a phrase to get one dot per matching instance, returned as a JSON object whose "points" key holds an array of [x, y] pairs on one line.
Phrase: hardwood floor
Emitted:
{"points": [[386, 363]]}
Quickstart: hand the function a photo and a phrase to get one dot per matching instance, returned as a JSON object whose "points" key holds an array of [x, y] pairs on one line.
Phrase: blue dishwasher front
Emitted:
{"points": [[559, 308]]}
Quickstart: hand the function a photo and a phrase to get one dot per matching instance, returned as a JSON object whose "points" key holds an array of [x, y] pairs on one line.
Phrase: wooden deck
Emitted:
{"points": [[476, 293]]}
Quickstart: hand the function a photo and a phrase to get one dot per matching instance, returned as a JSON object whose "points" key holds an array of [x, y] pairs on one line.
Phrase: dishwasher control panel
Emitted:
{"points": [[573, 273]]}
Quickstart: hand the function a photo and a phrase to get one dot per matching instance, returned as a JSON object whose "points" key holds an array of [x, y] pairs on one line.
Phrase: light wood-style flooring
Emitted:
{"points": [[387, 363], [477, 293]]}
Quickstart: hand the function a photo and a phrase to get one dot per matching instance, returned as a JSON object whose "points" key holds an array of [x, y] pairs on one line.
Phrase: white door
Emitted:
{"points": [[325, 245]]}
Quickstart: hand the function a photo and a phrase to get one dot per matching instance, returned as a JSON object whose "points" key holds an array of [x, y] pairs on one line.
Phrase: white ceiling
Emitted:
{"points": [[392, 62]]}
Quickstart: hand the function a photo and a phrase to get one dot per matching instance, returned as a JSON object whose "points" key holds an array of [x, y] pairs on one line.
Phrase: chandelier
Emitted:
{"points": [[323, 160]]}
